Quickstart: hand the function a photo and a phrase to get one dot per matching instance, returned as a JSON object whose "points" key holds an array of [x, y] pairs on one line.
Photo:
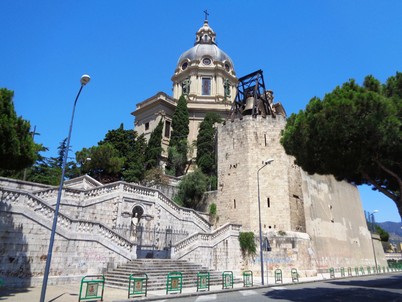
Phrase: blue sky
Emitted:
{"points": [[130, 50]]}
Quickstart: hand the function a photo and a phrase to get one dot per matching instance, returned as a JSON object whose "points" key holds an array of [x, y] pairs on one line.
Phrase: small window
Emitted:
{"points": [[268, 202], [146, 126], [167, 129], [206, 86], [234, 203], [206, 61]]}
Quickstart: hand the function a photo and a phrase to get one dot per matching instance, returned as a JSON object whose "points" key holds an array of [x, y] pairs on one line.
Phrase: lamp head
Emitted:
{"points": [[375, 211], [267, 162], [85, 79]]}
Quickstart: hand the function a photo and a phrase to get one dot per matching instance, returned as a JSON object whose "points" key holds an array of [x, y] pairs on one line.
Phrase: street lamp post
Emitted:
{"points": [[372, 241], [265, 163], [84, 80]]}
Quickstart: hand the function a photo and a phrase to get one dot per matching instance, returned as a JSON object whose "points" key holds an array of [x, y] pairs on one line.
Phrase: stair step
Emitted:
{"points": [[158, 270]]}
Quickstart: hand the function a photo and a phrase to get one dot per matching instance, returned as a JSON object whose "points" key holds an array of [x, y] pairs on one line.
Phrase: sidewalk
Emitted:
{"points": [[69, 293]]}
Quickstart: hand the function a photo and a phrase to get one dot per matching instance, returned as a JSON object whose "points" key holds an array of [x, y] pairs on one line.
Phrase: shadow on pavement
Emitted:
{"points": [[9, 292], [391, 282], [334, 294]]}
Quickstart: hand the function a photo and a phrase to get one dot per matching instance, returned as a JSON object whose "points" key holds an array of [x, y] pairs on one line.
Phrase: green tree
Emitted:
{"points": [[354, 133], [191, 190], [122, 140], [177, 152], [155, 176], [45, 170], [131, 149], [206, 157], [48, 170], [105, 164], [248, 246], [17, 148], [136, 164], [384, 235], [154, 148]]}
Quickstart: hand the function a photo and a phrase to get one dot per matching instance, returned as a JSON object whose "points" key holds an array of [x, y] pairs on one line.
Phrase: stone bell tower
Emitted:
{"points": [[244, 143], [311, 222]]}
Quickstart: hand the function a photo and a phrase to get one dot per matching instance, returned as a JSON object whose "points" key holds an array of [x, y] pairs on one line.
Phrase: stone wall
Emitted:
{"points": [[243, 146], [328, 212], [336, 223], [288, 250], [79, 248], [88, 238], [218, 250]]}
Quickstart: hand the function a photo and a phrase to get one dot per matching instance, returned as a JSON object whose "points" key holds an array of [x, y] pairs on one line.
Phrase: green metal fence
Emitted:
{"points": [[137, 285], [227, 279], [174, 282], [92, 287], [278, 276], [247, 278], [295, 275], [203, 279]]}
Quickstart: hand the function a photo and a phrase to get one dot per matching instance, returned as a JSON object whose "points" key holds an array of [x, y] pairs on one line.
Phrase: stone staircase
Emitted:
{"points": [[157, 271]]}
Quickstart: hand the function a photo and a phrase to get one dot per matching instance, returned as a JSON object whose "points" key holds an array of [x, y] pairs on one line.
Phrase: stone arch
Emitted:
{"points": [[137, 212]]}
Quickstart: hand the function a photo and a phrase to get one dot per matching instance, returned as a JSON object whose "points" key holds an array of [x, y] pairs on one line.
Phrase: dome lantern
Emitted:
{"points": [[203, 71]]}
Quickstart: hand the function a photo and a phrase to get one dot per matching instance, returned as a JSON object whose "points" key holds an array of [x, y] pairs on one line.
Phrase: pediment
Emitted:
{"points": [[84, 182]]}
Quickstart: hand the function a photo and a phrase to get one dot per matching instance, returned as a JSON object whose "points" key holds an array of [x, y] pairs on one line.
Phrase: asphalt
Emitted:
{"points": [[70, 293]]}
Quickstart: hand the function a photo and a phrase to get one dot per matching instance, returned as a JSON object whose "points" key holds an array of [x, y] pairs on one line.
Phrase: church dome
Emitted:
{"points": [[205, 47]]}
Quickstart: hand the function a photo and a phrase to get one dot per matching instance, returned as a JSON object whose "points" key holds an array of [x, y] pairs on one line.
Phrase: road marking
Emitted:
{"points": [[279, 288], [206, 298], [248, 292]]}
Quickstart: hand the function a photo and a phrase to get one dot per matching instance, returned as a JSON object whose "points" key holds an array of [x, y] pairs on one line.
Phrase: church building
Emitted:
{"points": [[205, 75], [309, 222]]}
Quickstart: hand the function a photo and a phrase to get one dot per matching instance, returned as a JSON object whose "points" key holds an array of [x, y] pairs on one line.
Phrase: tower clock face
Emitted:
{"points": [[206, 61]]}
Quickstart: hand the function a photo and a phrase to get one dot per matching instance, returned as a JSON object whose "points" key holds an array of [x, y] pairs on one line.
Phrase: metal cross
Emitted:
{"points": [[206, 14]]}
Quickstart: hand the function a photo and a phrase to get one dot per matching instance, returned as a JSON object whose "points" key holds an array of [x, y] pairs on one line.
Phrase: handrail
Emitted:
{"points": [[86, 196], [198, 239], [42, 208]]}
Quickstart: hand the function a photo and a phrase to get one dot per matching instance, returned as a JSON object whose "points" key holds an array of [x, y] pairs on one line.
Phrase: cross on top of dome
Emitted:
{"points": [[205, 35]]}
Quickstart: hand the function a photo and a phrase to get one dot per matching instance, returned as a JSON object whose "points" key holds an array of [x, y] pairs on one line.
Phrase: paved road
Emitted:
{"points": [[364, 289]]}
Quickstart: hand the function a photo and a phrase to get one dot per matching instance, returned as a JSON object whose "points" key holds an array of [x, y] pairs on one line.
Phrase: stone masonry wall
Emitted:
{"points": [[218, 250], [336, 223], [24, 252], [87, 240], [243, 146], [327, 211]]}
